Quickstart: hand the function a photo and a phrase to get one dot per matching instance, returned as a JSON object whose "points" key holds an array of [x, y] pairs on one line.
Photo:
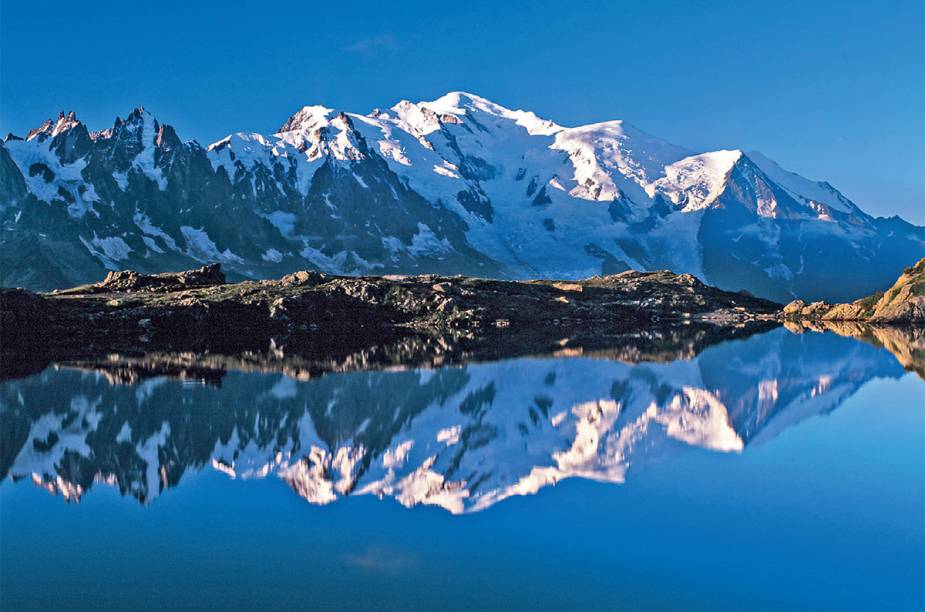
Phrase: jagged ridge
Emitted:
{"points": [[456, 185]]}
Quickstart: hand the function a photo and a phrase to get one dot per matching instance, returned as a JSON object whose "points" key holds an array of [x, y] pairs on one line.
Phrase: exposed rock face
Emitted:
{"points": [[902, 303]]}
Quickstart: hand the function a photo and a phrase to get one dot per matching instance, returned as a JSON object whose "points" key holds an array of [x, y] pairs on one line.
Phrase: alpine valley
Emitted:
{"points": [[459, 185]]}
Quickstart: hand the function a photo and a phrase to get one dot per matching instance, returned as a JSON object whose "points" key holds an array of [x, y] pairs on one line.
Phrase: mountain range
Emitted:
{"points": [[459, 185]]}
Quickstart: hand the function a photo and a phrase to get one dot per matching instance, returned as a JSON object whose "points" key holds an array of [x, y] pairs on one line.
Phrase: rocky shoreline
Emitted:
{"points": [[308, 323], [901, 304], [311, 312]]}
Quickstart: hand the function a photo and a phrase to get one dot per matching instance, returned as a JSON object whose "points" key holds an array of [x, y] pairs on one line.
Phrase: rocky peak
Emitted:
{"points": [[167, 138], [50, 129], [65, 122], [101, 134], [138, 121], [307, 119], [138, 113], [319, 131], [42, 129], [132, 135]]}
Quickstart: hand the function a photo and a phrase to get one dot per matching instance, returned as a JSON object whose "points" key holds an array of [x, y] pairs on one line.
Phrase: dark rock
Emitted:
{"points": [[196, 310], [129, 280]]}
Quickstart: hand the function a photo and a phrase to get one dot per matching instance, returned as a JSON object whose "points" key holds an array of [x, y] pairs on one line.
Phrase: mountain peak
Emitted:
{"points": [[803, 189], [459, 104], [139, 113], [65, 122], [695, 182], [457, 101], [138, 119], [307, 118], [318, 130]]}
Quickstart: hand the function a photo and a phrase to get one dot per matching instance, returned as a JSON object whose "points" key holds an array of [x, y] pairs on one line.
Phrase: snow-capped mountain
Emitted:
{"points": [[456, 185], [462, 438]]}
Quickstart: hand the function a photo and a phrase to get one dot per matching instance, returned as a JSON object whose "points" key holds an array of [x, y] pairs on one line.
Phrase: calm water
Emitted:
{"points": [[777, 472]]}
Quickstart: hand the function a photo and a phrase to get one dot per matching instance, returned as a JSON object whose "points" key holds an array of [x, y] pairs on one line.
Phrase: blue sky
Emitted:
{"points": [[832, 90]]}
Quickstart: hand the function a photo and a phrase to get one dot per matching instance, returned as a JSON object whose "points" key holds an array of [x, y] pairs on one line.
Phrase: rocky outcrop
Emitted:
{"points": [[903, 303], [335, 318], [129, 280]]}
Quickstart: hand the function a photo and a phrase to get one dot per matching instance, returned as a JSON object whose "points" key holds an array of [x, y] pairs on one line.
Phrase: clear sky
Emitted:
{"points": [[832, 89]]}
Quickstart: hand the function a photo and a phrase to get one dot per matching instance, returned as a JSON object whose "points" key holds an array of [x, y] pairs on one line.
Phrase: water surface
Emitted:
{"points": [[782, 470]]}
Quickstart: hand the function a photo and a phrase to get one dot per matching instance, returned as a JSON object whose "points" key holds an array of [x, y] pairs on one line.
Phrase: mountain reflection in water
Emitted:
{"points": [[461, 437]]}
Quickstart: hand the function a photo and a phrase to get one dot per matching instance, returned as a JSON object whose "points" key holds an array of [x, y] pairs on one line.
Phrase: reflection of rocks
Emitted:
{"points": [[903, 303], [303, 362], [906, 343], [462, 438]]}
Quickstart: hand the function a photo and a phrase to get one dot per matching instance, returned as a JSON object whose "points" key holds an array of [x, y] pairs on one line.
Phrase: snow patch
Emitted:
{"points": [[151, 244], [283, 221], [108, 250], [201, 247], [121, 179], [144, 223], [425, 242], [272, 255]]}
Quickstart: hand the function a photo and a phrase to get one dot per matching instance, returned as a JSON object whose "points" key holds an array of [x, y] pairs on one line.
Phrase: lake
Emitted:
{"points": [[777, 471]]}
